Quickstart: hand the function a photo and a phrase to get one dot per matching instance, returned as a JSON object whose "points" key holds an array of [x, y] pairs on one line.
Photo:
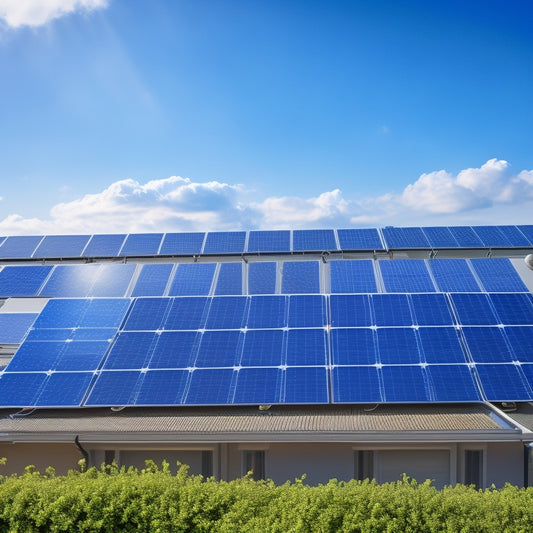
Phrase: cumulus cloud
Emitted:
{"points": [[16, 13]]}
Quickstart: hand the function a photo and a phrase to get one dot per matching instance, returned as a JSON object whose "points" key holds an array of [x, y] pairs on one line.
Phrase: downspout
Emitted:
{"points": [[527, 452], [82, 450]]}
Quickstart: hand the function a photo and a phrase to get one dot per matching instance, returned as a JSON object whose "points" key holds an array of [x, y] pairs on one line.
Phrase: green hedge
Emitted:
{"points": [[152, 500]]}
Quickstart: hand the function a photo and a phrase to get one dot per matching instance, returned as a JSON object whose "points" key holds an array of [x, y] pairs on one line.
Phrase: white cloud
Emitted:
{"points": [[18, 13]]}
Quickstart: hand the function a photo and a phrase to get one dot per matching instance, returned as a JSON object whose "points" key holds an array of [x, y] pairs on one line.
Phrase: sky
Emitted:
{"points": [[214, 115]]}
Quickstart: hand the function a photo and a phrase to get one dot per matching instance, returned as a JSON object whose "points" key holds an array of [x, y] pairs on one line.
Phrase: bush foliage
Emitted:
{"points": [[154, 500]]}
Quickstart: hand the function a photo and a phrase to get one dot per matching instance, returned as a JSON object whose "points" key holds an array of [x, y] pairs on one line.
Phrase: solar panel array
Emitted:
{"points": [[269, 330]]}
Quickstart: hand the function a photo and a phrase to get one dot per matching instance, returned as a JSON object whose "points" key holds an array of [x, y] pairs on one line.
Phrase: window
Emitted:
{"points": [[207, 463], [364, 464], [254, 461], [474, 468], [109, 456]]}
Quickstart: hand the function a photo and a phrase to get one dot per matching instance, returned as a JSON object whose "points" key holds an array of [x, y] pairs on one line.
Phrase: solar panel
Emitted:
{"points": [[152, 280], [527, 370], [391, 310], [147, 314], [498, 275], [210, 387], [397, 346], [132, 350], [527, 231], [59, 313], [263, 347], [19, 247], [353, 347], [72, 334], [112, 280], [300, 277], [359, 239], [466, 237], [405, 384], [20, 390], [104, 245], [306, 347], [14, 326], [440, 237], [262, 278], [313, 240], [258, 386], [227, 312], [61, 246], [267, 312], [115, 388], [350, 310], [162, 387], [488, 345], [219, 349], [191, 279], [521, 340], [71, 281], [503, 383], [492, 236], [453, 275], [187, 313], [441, 345], [38, 356], [269, 241], [398, 238], [23, 280], [174, 349], [406, 275], [225, 242], [473, 309], [307, 311], [453, 383], [141, 244], [513, 308], [514, 236], [104, 312], [64, 389], [431, 310], [306, 385], [356, 384], [352, 276], [80, 355], [182, 244], [229, 279]]}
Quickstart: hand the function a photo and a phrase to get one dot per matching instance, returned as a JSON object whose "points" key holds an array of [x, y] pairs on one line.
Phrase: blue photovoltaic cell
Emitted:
{"points": [[22, 280], [431, 310], [441, 345], [104, 313], [307, 311], [140, 244], [397, 346], [397, 238], [58, 334], [64, 389], [313, 240], [453, 275], [192, 279], [521, 339], [353, 347], [350, 310], [131, 350], [503, 383], [182, 244], [20, 247], [269, 241], [453, 383], [391, 310], [473, 309], [514, 236], [487, 345], [219, 349], [71, 281], [352, 276], [228, 312], [115, 388], [300, 277], [262, 278], [359, 239], [225, 242], [14, 326], [258, 386], [36, 356], [263, 347], [528, 372], [498, 275], [20, 390], [492, 236], [229, 279], [440, 237], [513, 308], [356, 384], [525, 230], [92, 334], [210, 387], [405, 384], [104, 245], [112, 280], [406, 275], [187, 313], [147, 314], [61, 246], [267, 312], [306, 347], [152, 280], [162, 387], [61, 313], [466, 237], [174, 349], [306, 385], [81, 355]]}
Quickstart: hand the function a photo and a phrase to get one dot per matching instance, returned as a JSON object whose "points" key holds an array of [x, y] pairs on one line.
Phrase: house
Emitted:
{"points": [[330, 353]]}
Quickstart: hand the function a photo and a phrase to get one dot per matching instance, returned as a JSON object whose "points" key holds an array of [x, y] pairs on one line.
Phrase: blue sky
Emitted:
{"points": [[170, 115]]}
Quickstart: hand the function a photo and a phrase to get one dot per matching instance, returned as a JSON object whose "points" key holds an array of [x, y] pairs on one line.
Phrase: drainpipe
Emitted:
{"points": [[83, 451], [527, 453]]}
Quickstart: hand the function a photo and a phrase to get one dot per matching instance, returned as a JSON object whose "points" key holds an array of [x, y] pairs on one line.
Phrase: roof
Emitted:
{"points": [[387, 423]]}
